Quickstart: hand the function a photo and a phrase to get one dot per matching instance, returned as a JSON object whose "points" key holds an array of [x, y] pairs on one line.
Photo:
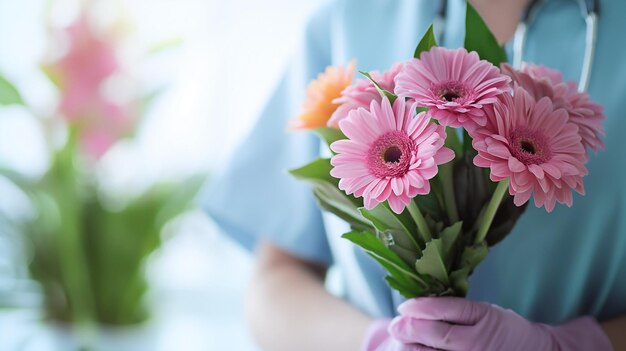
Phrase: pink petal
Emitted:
{"points": [[515, 165], [396, 204]]}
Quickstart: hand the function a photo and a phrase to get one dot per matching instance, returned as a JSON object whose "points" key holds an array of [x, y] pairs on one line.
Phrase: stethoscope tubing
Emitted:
{"points": [[589, 10]]}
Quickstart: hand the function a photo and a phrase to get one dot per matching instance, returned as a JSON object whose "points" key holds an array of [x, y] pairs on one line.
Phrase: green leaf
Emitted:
{"points": [[52, 75], [420, 109], [165, 45], [471, 257], [429, 204], [383, 218], [449, 237], [459, 281], [379, 224], [479, 38], [427, 42], [405, 244], [407, 290], [9, 94], [337, 202], [433, 261], [384, 93], [372, 244], [318, 170], [16, 178], [439, 254], [404, 277], [326, 190], [357, 224], [330, 135], [180, 198]]}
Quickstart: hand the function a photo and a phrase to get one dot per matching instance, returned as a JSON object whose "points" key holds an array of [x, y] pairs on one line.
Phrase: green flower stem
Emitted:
{"points": [[419, 219], [447, 181], [72, 257], [416, 245], [75, 276], [492, 208]]}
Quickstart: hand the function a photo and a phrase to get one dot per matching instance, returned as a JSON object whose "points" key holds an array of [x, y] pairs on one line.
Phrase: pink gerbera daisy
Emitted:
{"points": [[90, 60], [533, 145], [541, 72], [361, 93], [390, 153], [81, 72], [455, 85], [541, 81], [589, 117]]}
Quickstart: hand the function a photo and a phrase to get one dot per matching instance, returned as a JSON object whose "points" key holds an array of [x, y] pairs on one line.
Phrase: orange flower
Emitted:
{"points": [[321, 92]]}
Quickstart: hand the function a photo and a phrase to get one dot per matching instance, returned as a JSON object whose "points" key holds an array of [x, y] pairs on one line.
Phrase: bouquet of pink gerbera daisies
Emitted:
{"points": [[435, 160]]}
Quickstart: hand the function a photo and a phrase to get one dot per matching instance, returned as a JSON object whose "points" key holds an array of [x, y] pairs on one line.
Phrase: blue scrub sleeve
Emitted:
{"points": [[255, 198]]}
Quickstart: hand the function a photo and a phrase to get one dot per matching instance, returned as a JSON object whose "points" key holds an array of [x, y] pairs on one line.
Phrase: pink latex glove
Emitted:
{"points": [[449, 323], [378, 338]]}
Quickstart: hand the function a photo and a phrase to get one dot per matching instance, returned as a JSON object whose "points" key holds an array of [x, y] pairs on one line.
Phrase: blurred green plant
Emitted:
{"points": [[8, 93], [90, 258]]}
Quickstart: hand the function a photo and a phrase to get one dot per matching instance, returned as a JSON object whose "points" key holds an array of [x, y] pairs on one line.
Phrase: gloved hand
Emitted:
{"points": [[449, 323], [377, 338]]}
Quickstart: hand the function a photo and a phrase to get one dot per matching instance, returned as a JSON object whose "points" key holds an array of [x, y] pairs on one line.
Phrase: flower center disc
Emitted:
{"points": [[529, 147], [390, 155], [450, 91], [450, 95]]}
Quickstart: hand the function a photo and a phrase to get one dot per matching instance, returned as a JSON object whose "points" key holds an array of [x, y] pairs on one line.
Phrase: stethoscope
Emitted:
{"points": [[589, 9]]}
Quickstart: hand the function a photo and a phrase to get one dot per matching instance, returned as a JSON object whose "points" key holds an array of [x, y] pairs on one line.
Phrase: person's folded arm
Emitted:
{"points": [[288, 307]]}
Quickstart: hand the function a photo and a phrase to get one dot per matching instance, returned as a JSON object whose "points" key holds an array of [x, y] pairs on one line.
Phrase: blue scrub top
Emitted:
{"points": [[552, 268]]}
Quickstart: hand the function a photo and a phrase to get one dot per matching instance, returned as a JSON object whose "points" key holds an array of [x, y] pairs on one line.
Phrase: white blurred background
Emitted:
{"points": [[228, 50]]}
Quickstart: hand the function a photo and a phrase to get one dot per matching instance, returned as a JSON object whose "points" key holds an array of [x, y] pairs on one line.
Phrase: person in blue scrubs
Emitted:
{"points": [[551, 269]]}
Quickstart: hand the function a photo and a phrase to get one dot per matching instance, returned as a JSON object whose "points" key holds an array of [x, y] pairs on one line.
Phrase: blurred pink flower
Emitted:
{"points": [[541, 72], [361, 93], [89, 61], [96, 142], [99, 134], [589, 117], [541, 81], [390, 153], [455, 85], [535, 146]]}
